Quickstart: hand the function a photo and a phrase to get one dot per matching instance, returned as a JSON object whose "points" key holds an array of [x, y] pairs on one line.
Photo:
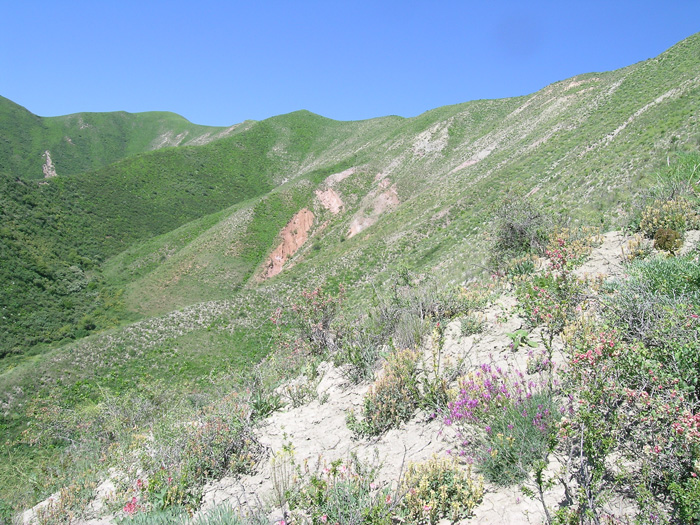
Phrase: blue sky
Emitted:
{"points": [[222, 62]]}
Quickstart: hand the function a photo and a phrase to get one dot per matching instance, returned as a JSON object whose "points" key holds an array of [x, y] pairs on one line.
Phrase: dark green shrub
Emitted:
{"points": [[520, 229], [393, 399], [667, 240], [686, 498]]}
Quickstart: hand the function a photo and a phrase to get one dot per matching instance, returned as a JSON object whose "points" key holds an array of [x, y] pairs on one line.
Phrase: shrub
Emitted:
{"points": [[656, 305], [625, 405], [637, 248], [69, 504], [439, 488], [667, 240], [570, 247], [360, 350], [471, 324], [184, 455], [670, 276], [343, 492], [519, 267], [393, 399], [550, 301], [673, 214], [313, 317], [516, 414], [362, 356], [520, 229], [263, 403], [518, 437], [686, 498]]}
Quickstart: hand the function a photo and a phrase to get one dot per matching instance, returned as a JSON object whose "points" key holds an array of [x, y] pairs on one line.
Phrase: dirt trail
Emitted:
{"points": [[319, 433]]}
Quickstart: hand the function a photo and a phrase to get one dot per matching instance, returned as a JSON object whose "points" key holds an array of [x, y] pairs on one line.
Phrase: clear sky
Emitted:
{"points": [[222, 62]]}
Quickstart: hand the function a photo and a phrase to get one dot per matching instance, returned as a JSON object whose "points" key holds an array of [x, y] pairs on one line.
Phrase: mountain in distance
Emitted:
{"points": [[146, 236], [87, 141]]}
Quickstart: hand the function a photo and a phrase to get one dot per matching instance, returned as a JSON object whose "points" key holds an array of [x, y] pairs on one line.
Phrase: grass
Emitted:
{"points": [[86, 141], [134, 235]]}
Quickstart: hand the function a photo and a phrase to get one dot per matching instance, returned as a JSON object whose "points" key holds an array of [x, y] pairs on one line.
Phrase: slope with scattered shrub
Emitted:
{"points": [[583, 148]]}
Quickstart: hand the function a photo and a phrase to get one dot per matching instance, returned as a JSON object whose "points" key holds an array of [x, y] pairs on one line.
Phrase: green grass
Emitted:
{"points": [[126, 234], [87, 141]]}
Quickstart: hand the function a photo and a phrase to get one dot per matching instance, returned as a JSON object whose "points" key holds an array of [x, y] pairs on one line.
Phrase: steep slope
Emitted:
{"points": [[424, 190]]}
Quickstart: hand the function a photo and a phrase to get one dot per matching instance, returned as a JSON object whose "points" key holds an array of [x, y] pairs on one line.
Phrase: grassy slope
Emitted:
{"points": [[559, 146], [82, 219], [88, 141], [552, 143]]}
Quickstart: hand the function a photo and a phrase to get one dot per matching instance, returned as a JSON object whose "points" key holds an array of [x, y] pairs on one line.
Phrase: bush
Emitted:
{"points": [[360, 350], [570, 247], [185, 453], [69, 504], [686, 498], [313, 317], [641, 304], [439, 488], [508, 416], [627, 406], [343, 492], [393, 399], [518, 437], [667, 240], [470, 325], [673, 214], [550, 301], [520, 229]]}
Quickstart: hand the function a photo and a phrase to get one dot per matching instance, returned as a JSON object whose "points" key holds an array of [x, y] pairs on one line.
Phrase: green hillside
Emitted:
{"points": [[87, 141], [140, 263]]}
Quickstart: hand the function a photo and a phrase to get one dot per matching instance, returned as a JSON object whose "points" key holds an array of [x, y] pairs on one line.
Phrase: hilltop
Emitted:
{"points": [[155, 256]]}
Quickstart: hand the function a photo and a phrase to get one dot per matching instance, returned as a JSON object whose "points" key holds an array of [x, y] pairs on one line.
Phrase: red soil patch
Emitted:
{"points": [[330, 200], [294, 235]]}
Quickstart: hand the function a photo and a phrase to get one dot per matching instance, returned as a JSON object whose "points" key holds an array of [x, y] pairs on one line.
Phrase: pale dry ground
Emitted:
{"points": [[318, 431]]}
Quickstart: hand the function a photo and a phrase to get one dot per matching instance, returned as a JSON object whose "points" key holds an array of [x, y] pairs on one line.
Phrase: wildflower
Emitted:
{"points": [[131, 507], [324, 519]]}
